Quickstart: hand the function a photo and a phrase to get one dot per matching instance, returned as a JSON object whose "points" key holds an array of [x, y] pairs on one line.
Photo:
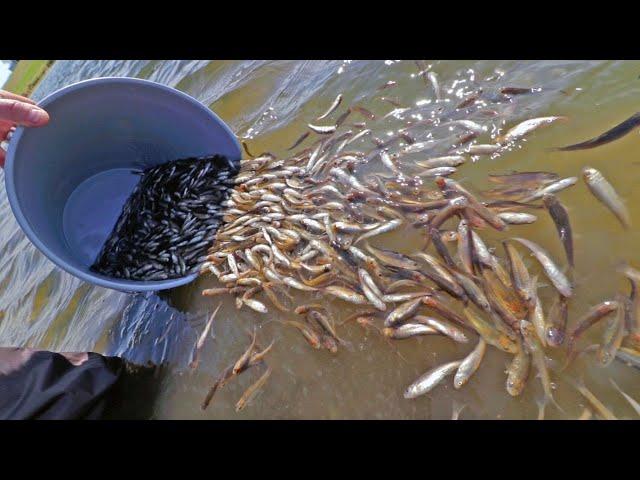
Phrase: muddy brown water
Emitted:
{"points": [[269, 104]]}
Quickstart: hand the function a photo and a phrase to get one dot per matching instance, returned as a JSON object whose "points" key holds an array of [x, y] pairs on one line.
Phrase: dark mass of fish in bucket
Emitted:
{"points": [[164, 229], [300, 230]]}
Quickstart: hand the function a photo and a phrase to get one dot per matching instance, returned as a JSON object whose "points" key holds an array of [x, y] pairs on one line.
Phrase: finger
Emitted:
{"points": [[14, 96], [22, 113], [5, 128]]}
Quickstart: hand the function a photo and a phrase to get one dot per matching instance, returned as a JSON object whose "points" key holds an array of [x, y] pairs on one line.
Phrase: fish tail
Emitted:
{"points": [[555, 403]]}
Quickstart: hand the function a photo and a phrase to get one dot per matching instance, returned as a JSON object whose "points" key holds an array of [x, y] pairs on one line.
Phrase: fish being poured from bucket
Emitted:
{"points": [[169, 220]]}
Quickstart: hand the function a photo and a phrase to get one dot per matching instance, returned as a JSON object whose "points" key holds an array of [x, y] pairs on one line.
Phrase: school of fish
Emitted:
{"points": [[301, 230]]}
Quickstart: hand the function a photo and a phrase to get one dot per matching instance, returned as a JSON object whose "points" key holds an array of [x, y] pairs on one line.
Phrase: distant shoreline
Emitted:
{"points": [[27, 75]]}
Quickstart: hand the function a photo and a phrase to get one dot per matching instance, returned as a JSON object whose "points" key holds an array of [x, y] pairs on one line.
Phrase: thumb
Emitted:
{"points": [[22, 113]]}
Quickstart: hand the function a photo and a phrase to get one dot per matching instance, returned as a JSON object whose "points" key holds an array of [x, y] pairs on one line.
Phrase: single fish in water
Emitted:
{"points": [[333, 106], [482, 149], [520, 278], [551, 188], [598, 406], [537, 353], [612, 338], [402, 311], [560, 218], [552, 271], [431, 379], [517, 90], [445, 161], [518, 372], [252, 391], [594, 315], [203, 337], [443, 327], [528, 126], [536, 313], [324, 130], [469, 365], [517, 218], [346, 294], [604, 191], [557, 322], [243, 361], [433, 79], [301, 139], [615, 133], [408, 330], [529, 179]]}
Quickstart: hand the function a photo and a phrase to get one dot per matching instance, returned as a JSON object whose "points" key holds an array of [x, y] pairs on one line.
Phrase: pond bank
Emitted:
{"points": [[26, 76]]}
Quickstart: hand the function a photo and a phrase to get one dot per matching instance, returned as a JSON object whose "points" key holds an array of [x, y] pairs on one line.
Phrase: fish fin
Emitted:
{"points": [[457, 410], [553, 400], [615, 385], [542, 405], [627, 397]]}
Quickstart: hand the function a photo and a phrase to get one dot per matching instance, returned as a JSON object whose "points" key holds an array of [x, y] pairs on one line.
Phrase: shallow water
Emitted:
{"points": [[269, 104]]}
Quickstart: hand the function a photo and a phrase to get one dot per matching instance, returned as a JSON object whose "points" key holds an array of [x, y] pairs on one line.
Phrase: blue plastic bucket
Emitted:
{"points": [[67, 182]]}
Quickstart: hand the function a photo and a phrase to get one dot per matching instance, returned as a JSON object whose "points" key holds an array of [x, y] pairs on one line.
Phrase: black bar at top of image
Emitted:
{"points": [[442, 30]]}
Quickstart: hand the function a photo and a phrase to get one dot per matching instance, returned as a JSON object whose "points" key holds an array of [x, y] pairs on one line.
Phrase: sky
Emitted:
{"points": [[4, 71]]}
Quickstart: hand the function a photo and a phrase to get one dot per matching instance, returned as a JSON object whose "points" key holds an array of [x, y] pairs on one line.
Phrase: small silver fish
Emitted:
{"points": [[433, 79], [437, 172], [386, 160], [469, 125], [402, 311], [552, 271], [322, 129], [469, 365], [443, 327], [384, 228], [333, 106], [408, 330], [552, 188], [431, 379], [255, 305], [445, 161], [528, 126], [604, 191], [517, 218], [482, 149]]}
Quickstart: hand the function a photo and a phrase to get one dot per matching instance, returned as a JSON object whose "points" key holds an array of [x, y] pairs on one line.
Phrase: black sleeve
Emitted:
{"points": [[48, 386]]}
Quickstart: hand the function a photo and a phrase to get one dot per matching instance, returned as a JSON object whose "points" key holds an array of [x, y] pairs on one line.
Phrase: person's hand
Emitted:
{"points": [[18, 110]]}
